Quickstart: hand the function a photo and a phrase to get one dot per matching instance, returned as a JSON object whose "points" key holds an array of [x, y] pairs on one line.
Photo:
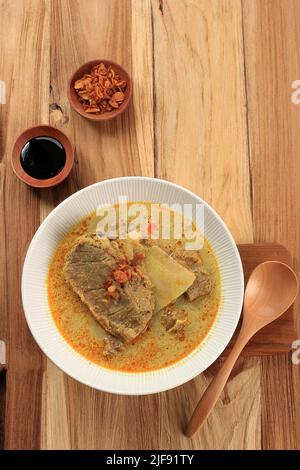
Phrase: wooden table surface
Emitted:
{"points": [[212, 111]]}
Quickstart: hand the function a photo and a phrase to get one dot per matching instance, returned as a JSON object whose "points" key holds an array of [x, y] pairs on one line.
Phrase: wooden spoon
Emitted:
{"points": [[271, 290]]}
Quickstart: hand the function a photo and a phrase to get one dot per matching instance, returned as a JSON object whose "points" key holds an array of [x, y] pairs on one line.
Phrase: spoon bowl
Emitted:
{"points": [[271, 289]]}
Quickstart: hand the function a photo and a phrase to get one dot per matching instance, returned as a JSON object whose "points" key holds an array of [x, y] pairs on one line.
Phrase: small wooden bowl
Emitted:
{"points": [[86, 68], [42, 131]]}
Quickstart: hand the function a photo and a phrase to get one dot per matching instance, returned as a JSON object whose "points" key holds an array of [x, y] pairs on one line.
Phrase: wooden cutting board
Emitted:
{"points": [[278, 336]]}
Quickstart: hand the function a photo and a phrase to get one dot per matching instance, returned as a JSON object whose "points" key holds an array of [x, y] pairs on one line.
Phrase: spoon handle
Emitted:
{"points": [[213, 391]]}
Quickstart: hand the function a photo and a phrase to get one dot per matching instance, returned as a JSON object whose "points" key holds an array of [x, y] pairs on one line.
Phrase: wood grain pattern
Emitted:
{"points": [[3, 268], [104, 150], [3, 300], [200, 120], [272, 64], [27, 48], [201, 143], [211, 110]]}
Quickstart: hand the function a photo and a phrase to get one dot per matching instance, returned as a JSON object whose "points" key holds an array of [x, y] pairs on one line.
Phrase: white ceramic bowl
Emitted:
{"points": [[35, 302]]}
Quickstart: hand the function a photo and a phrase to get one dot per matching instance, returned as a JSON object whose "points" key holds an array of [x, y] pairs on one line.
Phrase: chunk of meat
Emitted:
{"points": [[201, 286], [187, 257], [87, 268], [112, 346], [140, 295], [174, 319]]}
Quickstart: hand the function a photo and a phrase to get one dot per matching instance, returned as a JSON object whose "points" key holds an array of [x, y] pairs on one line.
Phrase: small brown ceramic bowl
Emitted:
{"points": [[42, 131], [86, 68]]}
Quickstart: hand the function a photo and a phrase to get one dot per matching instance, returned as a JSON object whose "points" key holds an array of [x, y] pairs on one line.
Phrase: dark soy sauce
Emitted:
{"points": [[43, 157]]}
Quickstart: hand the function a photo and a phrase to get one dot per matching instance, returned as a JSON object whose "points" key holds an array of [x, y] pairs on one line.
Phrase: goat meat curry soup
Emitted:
{"points": [[132, 305]]}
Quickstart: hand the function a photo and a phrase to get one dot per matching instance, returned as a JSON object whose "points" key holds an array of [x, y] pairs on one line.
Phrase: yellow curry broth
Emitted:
{"points": [[152, 350]]}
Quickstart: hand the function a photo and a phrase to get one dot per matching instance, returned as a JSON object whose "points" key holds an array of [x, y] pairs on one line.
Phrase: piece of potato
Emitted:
{"points": [[169, 278]]}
